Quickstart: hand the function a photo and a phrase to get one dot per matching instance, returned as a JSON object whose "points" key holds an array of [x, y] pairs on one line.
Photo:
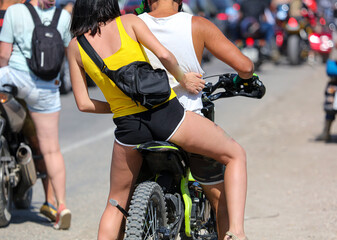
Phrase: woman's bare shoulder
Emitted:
{"points": [[73, 50], [72, 44]]}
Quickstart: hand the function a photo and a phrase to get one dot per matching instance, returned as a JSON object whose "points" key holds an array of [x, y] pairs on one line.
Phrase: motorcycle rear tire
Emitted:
{"points": [[293, 49], [147, 199], [6, 194], [25, 202]]}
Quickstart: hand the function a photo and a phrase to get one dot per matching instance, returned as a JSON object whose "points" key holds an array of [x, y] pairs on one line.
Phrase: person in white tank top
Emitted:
{"points": [[177, 37], [186, 36]]}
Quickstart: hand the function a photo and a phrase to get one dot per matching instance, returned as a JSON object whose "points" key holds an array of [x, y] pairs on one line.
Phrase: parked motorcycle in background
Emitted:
{"points": [[321, 42], [17, 169], [291, 36]]}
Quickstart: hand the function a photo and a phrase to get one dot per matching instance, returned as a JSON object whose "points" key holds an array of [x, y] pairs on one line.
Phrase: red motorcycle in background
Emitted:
{"points": [[303, 37], [291, 35], [321, 42]]}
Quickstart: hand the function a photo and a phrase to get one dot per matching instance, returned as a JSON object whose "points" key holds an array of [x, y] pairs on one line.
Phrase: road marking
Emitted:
{"points": [[89, 140]]}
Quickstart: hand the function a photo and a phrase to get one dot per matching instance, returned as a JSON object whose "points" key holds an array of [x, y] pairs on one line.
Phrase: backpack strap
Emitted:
{"points": [[36, 18], [56, 17], [83, 41]]}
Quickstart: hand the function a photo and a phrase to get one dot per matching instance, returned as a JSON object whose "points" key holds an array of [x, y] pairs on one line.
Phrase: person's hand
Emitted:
{"points": [[241, 83], [193, 82], [252, 86]]}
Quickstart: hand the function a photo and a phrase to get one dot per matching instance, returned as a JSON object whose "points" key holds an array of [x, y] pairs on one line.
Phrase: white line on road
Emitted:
{"points": [[87, 141]]}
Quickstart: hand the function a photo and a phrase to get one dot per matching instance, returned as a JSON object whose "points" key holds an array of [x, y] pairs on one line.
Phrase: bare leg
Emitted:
{"points": [[216, 196], [46, 183], [47, 132], [30, 132], [200, 135], [125, 166]]}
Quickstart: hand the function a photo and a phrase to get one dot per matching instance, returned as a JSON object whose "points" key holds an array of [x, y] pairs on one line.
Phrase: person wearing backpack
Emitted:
{"points": [[26, 65], [47, 209]]}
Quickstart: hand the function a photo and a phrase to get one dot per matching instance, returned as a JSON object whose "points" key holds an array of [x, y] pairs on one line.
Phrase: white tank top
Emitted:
{"points": [[175, 33]]}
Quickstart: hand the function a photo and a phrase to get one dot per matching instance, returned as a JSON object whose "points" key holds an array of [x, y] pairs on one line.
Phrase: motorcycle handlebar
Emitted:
{"points": [[253, 88], [10, 89]]}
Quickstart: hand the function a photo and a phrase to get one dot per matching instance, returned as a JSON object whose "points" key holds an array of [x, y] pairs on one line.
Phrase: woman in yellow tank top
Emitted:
{"points": [[116, 39]]}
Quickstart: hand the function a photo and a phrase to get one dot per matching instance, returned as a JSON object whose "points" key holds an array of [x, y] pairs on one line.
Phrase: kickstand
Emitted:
{"points": [[114, 203]]}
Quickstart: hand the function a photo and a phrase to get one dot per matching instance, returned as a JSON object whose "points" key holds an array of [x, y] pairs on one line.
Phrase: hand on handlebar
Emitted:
{"points": [[252, 86], [193, 82]]}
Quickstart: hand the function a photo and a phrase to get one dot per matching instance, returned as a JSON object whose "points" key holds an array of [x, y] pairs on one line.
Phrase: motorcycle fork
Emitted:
{"points": [[187, 202]]}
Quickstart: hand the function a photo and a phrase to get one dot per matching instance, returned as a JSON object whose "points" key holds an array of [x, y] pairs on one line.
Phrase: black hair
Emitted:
{"points": [[89, 15]]}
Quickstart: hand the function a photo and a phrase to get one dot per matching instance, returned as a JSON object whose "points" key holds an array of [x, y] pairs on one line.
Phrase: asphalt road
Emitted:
{"points": [[291, 178]]}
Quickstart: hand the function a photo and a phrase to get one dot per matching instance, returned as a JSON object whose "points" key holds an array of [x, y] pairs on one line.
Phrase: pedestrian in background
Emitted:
{"points": [[330, 93], [48, 207], [42, 97]]}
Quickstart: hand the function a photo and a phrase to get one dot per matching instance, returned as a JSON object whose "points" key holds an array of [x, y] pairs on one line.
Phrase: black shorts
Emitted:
{"points": [[158, 124]]}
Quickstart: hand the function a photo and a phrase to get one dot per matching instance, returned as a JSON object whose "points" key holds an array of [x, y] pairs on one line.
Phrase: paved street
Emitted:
{"points": [[292, 179]]}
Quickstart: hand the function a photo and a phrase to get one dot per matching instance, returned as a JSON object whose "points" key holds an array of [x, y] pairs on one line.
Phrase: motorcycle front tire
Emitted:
{"points": [[147, 213]]}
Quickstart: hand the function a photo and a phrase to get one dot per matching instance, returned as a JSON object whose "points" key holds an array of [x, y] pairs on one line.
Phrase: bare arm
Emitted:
{"points": [[79, 83], [5, 53], [191, 81], [206, 34]]}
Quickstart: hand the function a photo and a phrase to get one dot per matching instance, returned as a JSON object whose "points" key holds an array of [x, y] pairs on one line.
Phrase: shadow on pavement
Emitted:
{"points": [[20, 216]]}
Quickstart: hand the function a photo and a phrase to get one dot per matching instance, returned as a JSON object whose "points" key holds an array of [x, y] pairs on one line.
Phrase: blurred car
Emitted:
{"points": [[130, 6], [65, 78]]}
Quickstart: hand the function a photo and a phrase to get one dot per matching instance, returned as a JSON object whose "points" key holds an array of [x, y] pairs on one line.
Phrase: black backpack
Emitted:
{"points": [[47, 47]]}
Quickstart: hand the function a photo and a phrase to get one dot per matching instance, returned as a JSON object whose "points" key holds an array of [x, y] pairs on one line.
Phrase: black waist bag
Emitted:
{"points": [[138, 80]]}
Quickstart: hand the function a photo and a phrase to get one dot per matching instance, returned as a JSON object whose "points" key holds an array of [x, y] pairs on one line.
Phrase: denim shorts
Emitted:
{"points": [[41, 96]]}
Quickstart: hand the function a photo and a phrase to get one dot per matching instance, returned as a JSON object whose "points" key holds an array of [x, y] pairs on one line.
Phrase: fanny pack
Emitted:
{"points": [[138, 80]]}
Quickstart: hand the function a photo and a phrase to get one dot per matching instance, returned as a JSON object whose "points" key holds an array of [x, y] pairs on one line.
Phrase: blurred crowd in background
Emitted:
{"points": [[290, 32], [298, 30]]}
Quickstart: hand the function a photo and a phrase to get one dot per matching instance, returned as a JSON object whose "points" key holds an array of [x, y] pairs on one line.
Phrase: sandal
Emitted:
{"points": [[233, 236]]}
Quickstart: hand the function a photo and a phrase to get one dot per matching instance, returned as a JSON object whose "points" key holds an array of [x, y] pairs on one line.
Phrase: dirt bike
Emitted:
{"points": [[167, 201], [17, 169]]}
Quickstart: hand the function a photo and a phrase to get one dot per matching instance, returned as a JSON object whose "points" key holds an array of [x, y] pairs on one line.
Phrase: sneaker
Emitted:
{"points": [[63, 218], [49, 210]]}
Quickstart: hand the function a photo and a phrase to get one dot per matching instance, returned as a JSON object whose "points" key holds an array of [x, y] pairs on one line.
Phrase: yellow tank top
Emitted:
{"points": [[130, 51]]}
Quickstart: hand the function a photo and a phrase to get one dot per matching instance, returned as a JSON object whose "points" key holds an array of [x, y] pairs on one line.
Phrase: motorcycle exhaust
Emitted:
{"points": [[28, 175]]}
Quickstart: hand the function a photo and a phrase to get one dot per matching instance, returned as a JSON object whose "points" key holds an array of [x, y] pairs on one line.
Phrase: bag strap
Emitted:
{"points": [[56, 17], [36, 18], [83, 41]]}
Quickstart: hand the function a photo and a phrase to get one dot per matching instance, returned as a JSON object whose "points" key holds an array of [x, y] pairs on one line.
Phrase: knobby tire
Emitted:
{"points": [[147, 213]]}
